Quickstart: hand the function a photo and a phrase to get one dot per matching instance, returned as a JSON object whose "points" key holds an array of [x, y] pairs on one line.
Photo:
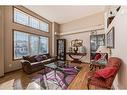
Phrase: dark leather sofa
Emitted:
{"points": [[35, 63]]}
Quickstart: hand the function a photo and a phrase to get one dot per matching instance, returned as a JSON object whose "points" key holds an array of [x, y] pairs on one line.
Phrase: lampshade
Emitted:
{"points": [[102, 49]]}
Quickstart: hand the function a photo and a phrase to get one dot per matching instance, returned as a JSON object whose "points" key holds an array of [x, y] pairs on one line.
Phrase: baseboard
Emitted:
{"points": [[13, 71]]}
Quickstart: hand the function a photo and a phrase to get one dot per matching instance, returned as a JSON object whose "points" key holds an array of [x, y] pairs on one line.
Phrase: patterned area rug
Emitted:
{"points": [[55, 79]]}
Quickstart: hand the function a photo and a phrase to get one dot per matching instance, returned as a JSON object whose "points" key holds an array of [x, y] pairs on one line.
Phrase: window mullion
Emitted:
{"points": [[39, 45], [28, 20], [29, 44]]}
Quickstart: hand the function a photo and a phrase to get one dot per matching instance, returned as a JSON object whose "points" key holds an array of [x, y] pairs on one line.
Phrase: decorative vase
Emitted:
{"points": [[82, 49]]}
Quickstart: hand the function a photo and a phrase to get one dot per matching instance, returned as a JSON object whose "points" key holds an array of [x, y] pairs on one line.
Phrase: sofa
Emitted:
{"points": [[103, 78], [31, 64]]}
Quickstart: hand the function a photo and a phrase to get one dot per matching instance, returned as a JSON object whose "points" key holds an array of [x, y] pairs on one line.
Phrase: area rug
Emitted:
{"points": [[54, 80]]}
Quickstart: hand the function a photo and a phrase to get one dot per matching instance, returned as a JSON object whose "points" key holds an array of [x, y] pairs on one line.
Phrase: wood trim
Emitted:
{"points": [[13, 45], [13, 71], [30, 33], [2, 47]]}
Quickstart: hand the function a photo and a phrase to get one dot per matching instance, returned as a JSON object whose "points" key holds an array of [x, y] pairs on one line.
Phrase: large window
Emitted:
{"points": [[25, 19], [21, 45], [29, 44]]}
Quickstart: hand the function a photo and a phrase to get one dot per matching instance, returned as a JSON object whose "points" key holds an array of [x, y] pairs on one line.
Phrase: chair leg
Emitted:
{"points": [[91, 67], [88, 86], [88, 83]]}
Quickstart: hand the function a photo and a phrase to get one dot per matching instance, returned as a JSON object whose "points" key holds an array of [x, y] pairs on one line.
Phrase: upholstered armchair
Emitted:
{"points": [[103, 78]]}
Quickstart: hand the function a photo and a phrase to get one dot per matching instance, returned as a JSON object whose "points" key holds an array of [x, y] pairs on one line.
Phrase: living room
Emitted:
{"points": [[44, 26]]}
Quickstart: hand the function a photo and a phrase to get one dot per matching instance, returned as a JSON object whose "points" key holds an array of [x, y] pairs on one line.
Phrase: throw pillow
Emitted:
{"points": [[32, 59], [45, 56], [106, 72], [39, 58], [98, 56], [29, 58]]}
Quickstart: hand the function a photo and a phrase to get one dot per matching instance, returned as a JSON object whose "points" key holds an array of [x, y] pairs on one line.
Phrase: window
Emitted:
{"points": [[34, 23], [29, 44], [25, 19], [34, 40], [44, 26], [43, 48], [20, 45], [20, 17]]}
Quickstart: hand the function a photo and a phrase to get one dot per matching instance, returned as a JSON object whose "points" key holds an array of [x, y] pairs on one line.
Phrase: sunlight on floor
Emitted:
{"points": [[33, 86], [7, 85]]}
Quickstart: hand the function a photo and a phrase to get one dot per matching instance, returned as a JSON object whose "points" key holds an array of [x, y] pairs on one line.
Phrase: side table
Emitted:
{"points": [[76, 60]]}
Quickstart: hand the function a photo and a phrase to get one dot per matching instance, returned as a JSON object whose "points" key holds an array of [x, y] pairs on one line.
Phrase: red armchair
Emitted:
{"points": [[101, 81]]}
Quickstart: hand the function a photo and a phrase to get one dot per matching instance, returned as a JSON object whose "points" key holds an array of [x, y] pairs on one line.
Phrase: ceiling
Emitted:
{"points": [[63, 14]]}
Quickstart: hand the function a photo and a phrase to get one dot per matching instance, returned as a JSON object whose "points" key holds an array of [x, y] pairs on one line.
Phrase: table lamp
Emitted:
{"points": [[75, 44], [102, 49]]}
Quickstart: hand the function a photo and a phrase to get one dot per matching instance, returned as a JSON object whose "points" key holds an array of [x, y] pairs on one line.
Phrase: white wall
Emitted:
{"points": [[83, 23], [80, 29], [120, 50], [85, 36]]}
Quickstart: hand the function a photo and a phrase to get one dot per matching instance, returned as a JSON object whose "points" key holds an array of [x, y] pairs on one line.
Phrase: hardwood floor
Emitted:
{"points": [[80, 81], [15, 80], [20, 80]]}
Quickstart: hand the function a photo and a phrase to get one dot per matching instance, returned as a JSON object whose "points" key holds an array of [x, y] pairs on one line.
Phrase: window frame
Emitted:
{"points": [[13, 32], [29, 15]]}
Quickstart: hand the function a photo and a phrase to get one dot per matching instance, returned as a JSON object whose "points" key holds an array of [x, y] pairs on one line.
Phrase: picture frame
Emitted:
{"points": [[110, 38]]}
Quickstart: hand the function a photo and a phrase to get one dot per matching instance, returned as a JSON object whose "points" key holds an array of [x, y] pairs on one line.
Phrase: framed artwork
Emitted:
{"points": [[110, 38]]}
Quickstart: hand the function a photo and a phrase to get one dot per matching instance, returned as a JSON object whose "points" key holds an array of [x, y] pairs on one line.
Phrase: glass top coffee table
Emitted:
{"points": [[60, 67], [57, 65]]}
